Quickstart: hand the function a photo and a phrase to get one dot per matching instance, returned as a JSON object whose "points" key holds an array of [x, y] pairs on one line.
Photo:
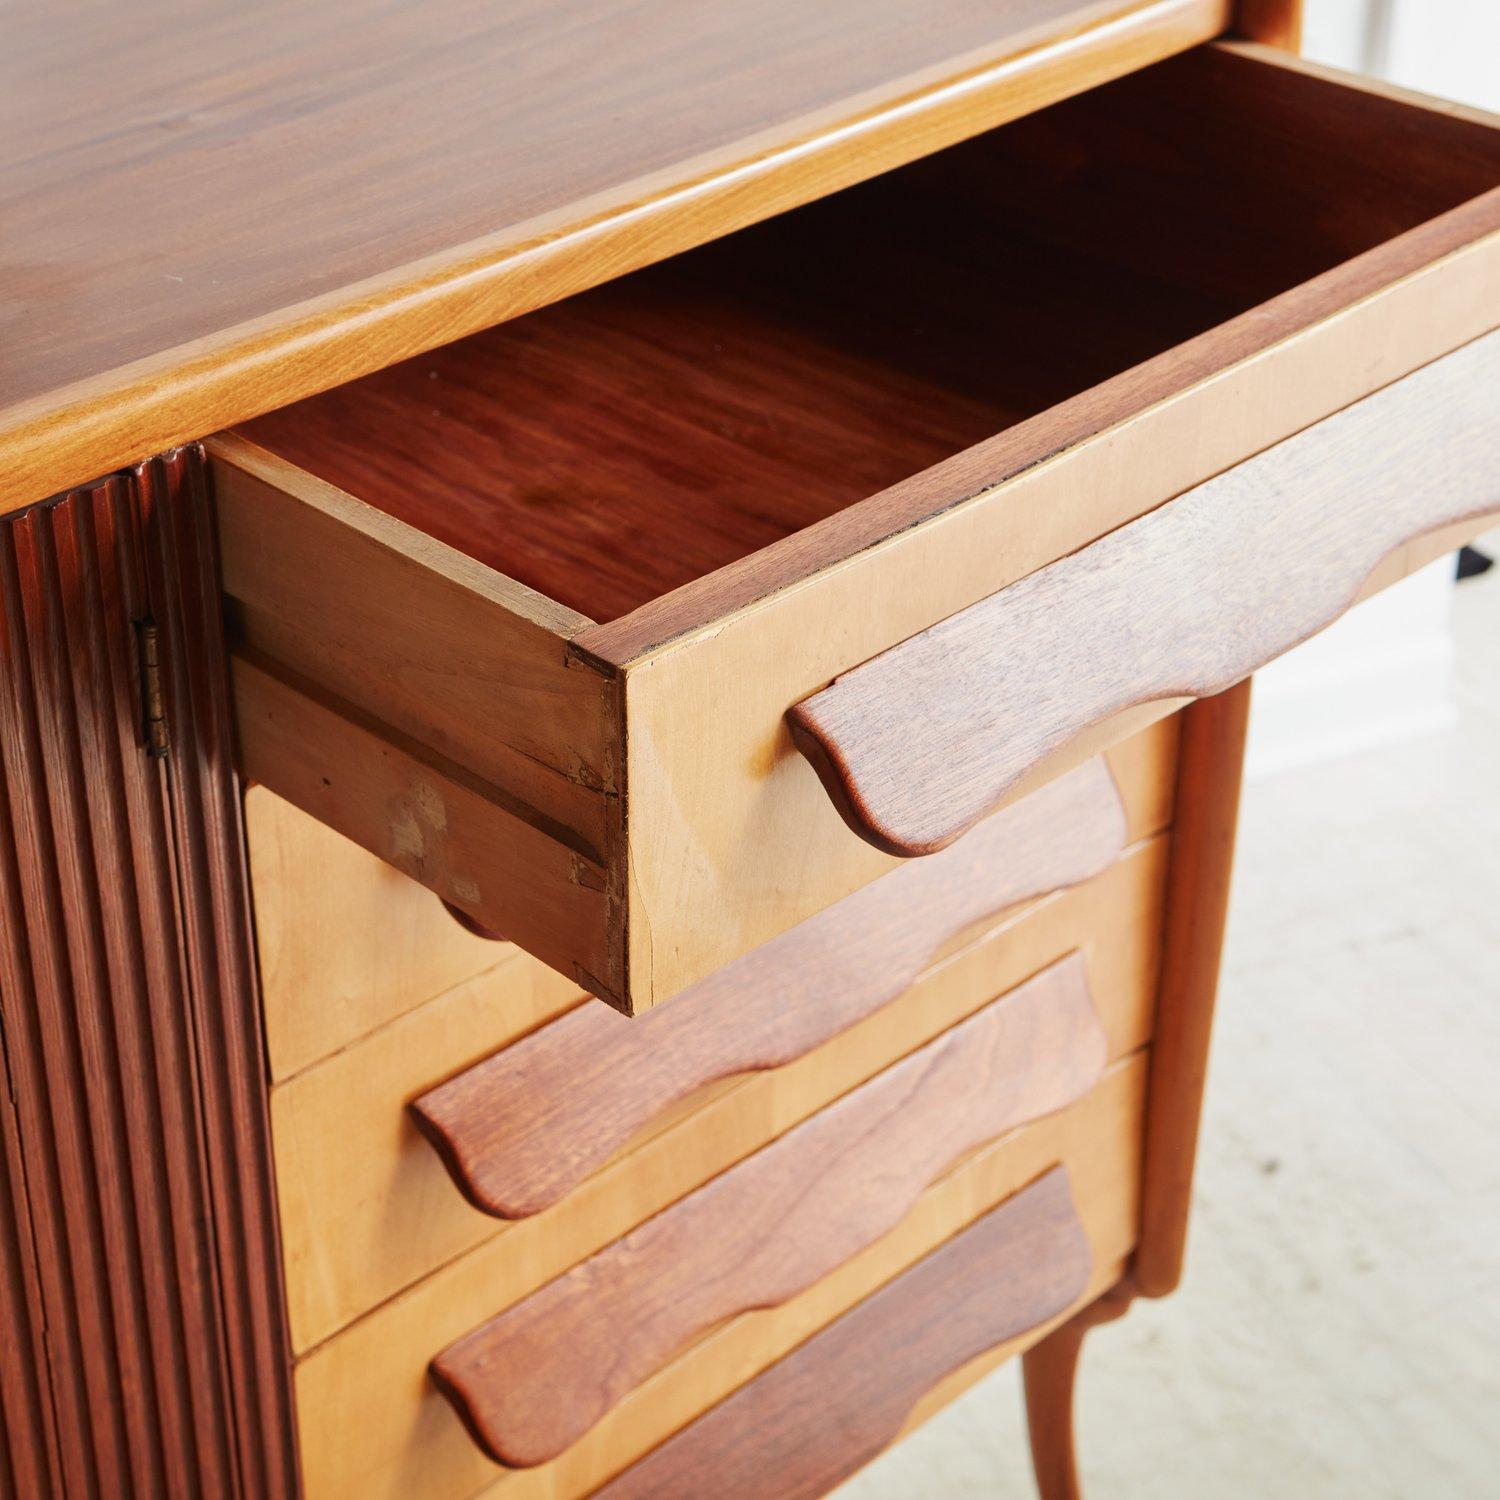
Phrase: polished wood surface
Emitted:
{"points": [[29, 1461], [523, 1127], [148, 1314], [534, 1379], [917, 745], [368, 1210], [740, 394], [1209, 777], [1277, 23], [815, 1418], [212, 211], [373, 1424]]}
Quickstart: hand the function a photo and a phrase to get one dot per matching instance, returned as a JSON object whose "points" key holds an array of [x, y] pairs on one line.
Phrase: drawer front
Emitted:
{"points": [[532, 1380], [367, 1207], [373, 1423], [917, 745], [812, 1419], [695, 858], [346, 943], [578, 785], [520, 1129]]}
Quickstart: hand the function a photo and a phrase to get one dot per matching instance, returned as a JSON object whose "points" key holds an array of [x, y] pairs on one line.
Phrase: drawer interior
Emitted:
{"points": [[615, 446]]}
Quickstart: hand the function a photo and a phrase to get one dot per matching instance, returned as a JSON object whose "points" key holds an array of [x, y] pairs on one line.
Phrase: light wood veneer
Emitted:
{"points": [[367, 1209], [346, 943]]}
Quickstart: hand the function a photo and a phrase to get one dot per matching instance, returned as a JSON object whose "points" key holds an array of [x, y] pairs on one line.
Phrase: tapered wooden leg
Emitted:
{"points": [[1050, 1369]]}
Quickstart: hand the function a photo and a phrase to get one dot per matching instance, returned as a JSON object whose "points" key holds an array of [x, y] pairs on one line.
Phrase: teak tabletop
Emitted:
{"points": [[212, 210]]}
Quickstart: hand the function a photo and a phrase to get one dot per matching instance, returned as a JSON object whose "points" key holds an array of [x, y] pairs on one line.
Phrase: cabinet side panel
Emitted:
{"points": [[140, 1199]]}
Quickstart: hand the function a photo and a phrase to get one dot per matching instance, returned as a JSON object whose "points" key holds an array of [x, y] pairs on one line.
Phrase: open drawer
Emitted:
{"points": [[527, 616]]}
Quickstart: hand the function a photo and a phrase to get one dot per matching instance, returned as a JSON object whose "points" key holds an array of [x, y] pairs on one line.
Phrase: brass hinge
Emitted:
{"points": [[155, 710]]}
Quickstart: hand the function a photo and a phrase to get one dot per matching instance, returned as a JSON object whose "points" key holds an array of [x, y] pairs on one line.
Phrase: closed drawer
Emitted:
{"points": [[611, 1120], [523, 1127], [815, 1417], [526, 616], [532, 1380], [347, 944], [372, 1423]]}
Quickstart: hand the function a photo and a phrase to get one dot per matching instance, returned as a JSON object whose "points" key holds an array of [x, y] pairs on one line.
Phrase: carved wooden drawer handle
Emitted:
{"points": [[520, 1129], [825, 1410], [919, 743], [534, 1379]]}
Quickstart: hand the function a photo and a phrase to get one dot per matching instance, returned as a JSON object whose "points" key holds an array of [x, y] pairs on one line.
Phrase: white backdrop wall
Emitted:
{"points": [[1385, 672]]}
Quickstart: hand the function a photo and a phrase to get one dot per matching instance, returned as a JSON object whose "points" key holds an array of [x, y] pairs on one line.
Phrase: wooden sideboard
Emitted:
{"points": [[626, 643]]}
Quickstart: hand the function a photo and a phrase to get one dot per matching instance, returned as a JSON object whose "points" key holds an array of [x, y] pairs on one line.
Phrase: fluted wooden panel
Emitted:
{"points": [[28, 1457], [140, 1232]]}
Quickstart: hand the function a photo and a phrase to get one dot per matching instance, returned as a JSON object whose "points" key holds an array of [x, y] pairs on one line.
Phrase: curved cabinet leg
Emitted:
{"points": [[1050, 1370]]}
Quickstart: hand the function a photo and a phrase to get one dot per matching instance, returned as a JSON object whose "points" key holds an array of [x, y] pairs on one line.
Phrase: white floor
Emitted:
{"points": [[1338, 1333]]}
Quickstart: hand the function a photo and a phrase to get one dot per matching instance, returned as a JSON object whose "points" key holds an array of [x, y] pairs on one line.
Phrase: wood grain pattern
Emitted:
{"points": [[918, 744], [318, 900], [135, 1116], [365, 1208], [373, 1423], [1209, 777], [740, 394], [827, 1410], [733, 397], [1278, 194], [368, 1210], [610, 140], [534, 1379], [522, 1128], [30, 1461]]}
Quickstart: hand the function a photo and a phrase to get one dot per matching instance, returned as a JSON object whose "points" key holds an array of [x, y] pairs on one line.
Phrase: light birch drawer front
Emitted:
{"points": [[534, 1379], [916, 746], [374, 1424], [814, 1418], [525, 616], [346, 943], [591, 1122], [520, 1129]]}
